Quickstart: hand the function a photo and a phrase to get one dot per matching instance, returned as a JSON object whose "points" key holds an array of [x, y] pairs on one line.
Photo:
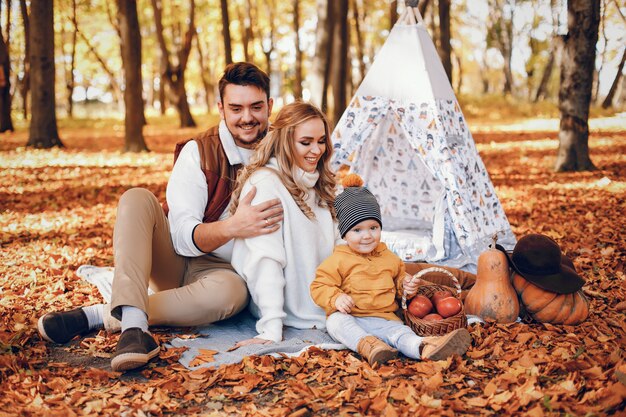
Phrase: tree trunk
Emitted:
{"points": [[484, 73], [151, 93], [43, 124], [357, 5], [131, 61], [340, 59], [70, 73], [206, 76], [7, 37], [579, 53], [555, 53], [249, 30], [500, 32], [542, 90], [247, 34], [433, 26], [297, 84], [459, 65], [507, 52], [267, 42], [228, 53], [323, 51], [597, 71], [174, 75], [25, 82], [445, 49], [113, 18], [608, 101], [6, 124], [393, 13], [244, 28], [422, 6], [180, 93], [162, 94]]}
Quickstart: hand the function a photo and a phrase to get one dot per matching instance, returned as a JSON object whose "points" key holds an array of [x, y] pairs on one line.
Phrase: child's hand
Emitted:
{"points": [[344, 303], [410, 285]]}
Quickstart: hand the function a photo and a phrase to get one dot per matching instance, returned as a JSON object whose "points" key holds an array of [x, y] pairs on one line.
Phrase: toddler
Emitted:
{"points": [[359, 283]]}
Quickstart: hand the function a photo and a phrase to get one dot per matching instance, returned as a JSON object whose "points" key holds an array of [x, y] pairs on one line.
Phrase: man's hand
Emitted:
{"points": [[255, 220], [344, 303], [248, 221], [410, 285]]}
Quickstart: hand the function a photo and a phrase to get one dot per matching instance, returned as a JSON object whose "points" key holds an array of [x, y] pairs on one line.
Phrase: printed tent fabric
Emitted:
{"points": [[405, 134]]}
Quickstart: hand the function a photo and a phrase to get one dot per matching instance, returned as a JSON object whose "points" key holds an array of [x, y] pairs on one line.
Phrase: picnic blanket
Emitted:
{"points": [[220, 337]]}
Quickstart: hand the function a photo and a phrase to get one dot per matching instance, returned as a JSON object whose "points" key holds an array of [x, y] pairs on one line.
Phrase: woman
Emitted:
{"points": [[292, 165]]}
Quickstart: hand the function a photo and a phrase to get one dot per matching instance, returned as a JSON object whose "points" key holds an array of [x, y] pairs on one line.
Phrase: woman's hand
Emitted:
{"points": [[253, 341], [344, 303], [410, 285]]}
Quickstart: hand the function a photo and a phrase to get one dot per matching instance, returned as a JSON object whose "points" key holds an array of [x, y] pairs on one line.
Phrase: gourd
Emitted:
{"points": [[492, 296], [549, 307]]}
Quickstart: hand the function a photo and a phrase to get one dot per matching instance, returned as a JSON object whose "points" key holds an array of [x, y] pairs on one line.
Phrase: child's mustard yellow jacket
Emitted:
{"points": [[371, 280]]}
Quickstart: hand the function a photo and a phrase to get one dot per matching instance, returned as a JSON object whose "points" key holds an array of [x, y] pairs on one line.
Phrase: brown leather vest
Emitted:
{"points": [[220, 175]]}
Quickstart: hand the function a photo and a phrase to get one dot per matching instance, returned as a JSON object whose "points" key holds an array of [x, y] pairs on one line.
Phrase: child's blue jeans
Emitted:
{"points": [[349, 330]]}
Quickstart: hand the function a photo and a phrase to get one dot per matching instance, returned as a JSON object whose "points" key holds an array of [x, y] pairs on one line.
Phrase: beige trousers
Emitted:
{"points": [[188, 291]]}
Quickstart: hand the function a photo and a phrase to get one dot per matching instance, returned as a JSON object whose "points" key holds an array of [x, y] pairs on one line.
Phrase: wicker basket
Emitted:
{"points": [[434, 328]]}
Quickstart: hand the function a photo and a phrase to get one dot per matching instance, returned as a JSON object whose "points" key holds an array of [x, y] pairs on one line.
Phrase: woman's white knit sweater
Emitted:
{"points": [[279, 267]]}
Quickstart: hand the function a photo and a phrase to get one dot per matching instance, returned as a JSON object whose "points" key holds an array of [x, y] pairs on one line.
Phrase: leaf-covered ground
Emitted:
{"points": [[57, 209]]}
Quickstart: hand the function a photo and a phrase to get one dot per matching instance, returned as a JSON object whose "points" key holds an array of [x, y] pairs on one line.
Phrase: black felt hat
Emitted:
{"points": [[539, 260]]}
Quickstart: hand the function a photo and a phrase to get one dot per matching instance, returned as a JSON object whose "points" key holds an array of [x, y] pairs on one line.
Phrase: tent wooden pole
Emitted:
{"points": [[411, 15], [418, 15], [404, 18]]}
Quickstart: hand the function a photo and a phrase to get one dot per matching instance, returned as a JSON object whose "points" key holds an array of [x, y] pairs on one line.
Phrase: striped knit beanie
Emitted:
{"points": [[355, 204]]}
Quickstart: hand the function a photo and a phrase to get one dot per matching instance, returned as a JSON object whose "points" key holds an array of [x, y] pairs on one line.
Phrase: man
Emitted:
{"points": [[182, 251]]}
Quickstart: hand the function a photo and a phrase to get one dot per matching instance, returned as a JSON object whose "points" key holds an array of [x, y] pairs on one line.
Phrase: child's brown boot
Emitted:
{"points": [[440, 347], [375, 350]]}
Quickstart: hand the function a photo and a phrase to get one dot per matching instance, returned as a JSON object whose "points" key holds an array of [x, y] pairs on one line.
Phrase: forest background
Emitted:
{"points": [[498, 53], [64, 166]]}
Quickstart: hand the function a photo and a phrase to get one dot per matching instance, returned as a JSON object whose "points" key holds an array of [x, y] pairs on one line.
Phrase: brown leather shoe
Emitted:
{"points": [[437, 348], [62, 326], [134, 349], [375, 350]]}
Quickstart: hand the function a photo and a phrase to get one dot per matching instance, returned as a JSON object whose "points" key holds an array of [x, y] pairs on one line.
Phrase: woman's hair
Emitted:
{"points": [[280, 143]]}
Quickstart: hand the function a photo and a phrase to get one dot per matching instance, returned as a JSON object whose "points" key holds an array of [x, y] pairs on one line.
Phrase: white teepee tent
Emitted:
{"points": [[405, 134]]}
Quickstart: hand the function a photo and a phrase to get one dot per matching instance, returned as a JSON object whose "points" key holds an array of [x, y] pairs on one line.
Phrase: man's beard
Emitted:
{"points": [[256, 140]]}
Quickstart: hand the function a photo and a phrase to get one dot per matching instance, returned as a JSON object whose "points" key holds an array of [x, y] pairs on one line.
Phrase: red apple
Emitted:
{"points": [[439, 295], [433, 317], [419, 306], [448, 307]]}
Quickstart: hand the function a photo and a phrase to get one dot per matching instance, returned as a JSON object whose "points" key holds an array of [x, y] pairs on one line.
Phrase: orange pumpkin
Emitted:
{"points": [[549, 307], [492, 296]]}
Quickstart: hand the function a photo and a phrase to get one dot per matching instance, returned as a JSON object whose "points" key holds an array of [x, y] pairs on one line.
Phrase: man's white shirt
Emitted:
{"points": [[187, 194]]}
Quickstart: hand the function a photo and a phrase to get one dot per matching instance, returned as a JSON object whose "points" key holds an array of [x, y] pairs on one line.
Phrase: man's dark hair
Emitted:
{"points": [[244, 73]]}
